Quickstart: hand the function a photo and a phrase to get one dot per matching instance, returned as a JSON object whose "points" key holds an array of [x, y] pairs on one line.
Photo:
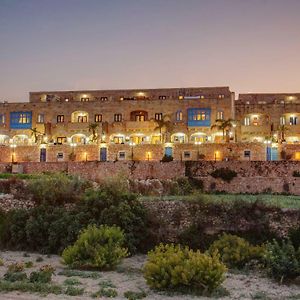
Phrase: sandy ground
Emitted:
{"points": [[128, 277]]}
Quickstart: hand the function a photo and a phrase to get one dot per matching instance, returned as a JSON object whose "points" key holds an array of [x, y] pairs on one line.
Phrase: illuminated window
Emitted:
{"points": [[82, 119], [98, 118], [85, 99], [118, 117], [293, 120], [103, 98], [297, 155], [118, 139], [24, 118], [2, 119], [255, 121], [20, 120], [162, 97], [41, 118], [158, 116], [179, 116], [61, 140], [282, 120], [139, 118], [180, 97], [247, 121], [60, 118], [220, 115], [67, 99], [221, 96]]}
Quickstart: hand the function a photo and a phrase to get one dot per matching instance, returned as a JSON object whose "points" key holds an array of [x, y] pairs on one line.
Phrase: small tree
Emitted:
{"points": [[224, 126], [35, 134], [164, 126], [93, 129]]}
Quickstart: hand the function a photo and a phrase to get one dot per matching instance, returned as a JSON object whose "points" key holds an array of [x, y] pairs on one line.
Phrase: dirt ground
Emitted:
{"points": [[128, 277]]}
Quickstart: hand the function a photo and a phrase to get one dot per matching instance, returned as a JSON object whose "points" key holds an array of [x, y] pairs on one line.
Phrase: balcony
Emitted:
{"points": [[74, 126], [260, 130]]}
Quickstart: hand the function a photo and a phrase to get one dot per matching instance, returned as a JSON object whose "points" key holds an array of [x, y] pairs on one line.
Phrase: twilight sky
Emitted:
{"points": [[251, 46]]}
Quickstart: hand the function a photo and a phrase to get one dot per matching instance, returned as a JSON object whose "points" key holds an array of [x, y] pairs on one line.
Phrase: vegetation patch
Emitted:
{"points": [[224, 173], [171, 267]]}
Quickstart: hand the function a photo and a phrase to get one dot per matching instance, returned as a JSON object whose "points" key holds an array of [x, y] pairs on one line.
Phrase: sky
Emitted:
{"points": [[250, 46]]}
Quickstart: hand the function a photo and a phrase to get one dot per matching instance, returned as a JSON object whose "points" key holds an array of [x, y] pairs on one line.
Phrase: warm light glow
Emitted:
{"points": [[297, 155], [141, 94], [148, 155], [217, 155]]}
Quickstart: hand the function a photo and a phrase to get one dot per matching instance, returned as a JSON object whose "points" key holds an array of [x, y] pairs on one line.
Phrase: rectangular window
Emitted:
{"points": [[41, 118], [220, 115], [247, 153], [255, 121], [221, 96], [158, 116], [122, 155], [179, 116], [282, 120], [82, 119], [293, 120], [118, 117], [61, 140], [2, 119], [162, 97], [85, 99], [21, 120], [246, 121], [60, 118], [186, 154], [199, 117], [103, 98], [98, 118]]}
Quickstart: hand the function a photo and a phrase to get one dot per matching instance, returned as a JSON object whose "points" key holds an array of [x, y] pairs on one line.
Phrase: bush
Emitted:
{"points": [[40, 277], [283, 260], [115, 205], [15, 276], [100, 248], [236, 252], [15, 267], [56, 189], [175, 267], [224, 173]]}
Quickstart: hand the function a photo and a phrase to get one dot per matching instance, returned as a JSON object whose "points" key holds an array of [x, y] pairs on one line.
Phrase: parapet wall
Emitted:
{"points": [[252, 176]]}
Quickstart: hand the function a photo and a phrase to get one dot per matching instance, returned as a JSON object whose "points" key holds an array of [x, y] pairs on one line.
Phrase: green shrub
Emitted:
{"points": [[283, 260], [100, 248], [175, 267], [50, 229], [103, 292], [56, 189], [224, 173], [130, 295], [72, 281], [236, 252], [116, 206], [15, 276], [74, 291], [40, 277]]}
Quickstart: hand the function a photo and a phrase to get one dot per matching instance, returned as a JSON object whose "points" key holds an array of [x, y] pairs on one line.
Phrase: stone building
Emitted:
{"points": [[146, 124]]}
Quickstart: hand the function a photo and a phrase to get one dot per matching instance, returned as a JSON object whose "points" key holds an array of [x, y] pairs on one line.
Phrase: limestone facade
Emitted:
{"points": [[146, 124]]}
